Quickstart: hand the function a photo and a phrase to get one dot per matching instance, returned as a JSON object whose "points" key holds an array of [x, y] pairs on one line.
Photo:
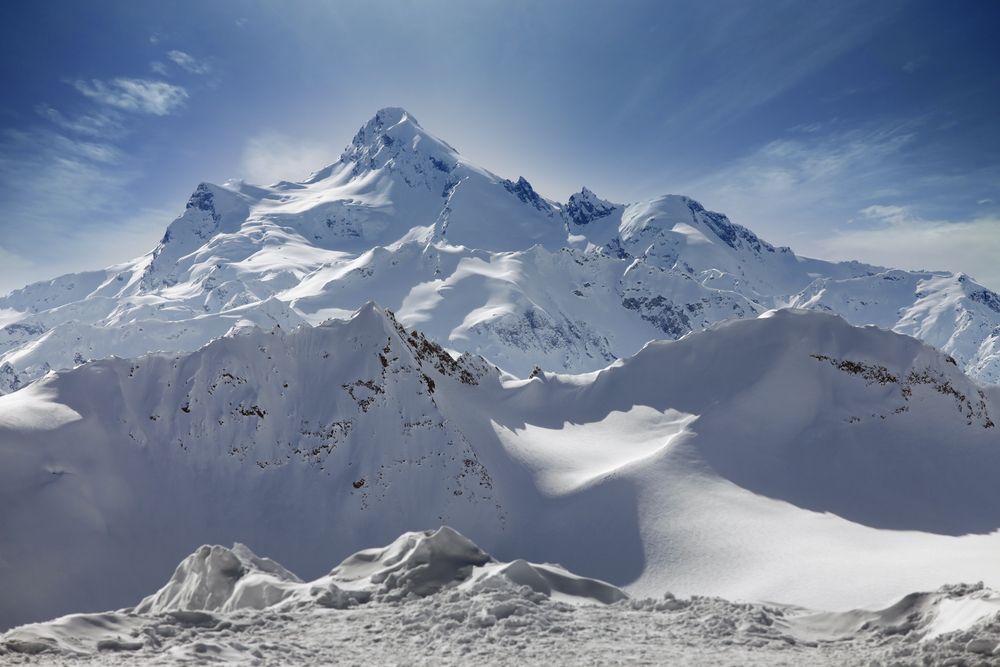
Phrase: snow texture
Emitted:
{"points": [[436, 598]]}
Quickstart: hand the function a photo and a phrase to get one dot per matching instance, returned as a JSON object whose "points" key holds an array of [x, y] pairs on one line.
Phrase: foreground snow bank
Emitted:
{"points": [[436, 597]]}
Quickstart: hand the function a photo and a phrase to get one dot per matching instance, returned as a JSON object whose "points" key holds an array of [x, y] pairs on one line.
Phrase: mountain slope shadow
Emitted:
{"points": [[871, 426]]}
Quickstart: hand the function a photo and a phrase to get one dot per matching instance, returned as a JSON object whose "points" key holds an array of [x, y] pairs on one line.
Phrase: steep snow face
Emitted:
{"points": [[768, 458], [481, 263]]}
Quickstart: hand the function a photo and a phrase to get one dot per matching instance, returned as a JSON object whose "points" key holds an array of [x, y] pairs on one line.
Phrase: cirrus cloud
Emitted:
{"points": [[188, 62], [158, 98], [894, 235]]}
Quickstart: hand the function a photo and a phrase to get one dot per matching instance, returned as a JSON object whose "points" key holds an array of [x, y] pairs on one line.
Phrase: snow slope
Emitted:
{"points": [[768, 458], [441, 599], [481, 263]]}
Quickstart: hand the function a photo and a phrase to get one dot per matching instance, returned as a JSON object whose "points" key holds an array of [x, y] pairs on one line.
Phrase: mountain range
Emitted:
{"points": [[479, 263], [404, 341]]}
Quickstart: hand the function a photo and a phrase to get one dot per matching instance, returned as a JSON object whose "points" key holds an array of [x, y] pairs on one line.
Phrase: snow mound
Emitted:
{"points": [[418, 563], [424, 563], [926, 616], [217, 578], [548, 580]]}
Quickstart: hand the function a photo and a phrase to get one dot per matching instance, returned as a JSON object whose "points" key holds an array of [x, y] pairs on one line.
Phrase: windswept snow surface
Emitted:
{"points": [[791, 457], [481, 263], [437, 598]]}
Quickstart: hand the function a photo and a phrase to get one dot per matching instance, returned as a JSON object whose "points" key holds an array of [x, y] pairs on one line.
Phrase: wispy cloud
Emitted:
{"points": [[893, 235], [794, 187], [158, 67], [48, 177], [748, 75], [70, 182], [13, 269], [891, 215], [139, 95], [271, 157], [189, 62], [105, 123], [66, 206], [805, 191]]}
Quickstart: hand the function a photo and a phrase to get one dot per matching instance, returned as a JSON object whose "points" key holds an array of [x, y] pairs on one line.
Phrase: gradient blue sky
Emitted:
{"points": [[843, 129]]}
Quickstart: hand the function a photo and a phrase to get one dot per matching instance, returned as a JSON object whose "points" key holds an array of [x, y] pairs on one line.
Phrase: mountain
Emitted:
{"points": [[481, 263], [442, 599], [767, 458]]}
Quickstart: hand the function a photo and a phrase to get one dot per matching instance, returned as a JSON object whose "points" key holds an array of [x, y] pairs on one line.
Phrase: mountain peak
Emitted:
{"points": [[394, 115], [393, 137], [585, 207], [383, 122]]}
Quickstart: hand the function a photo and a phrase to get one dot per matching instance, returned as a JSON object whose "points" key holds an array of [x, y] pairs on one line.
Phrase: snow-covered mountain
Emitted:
{"points": [[443, 600], [480, 263], [767, 458]]}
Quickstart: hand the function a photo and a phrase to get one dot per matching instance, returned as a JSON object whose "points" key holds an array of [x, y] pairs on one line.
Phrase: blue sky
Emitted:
{"points": [[843, 129]]}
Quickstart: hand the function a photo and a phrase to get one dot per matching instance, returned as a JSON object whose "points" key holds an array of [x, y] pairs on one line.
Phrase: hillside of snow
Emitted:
{"points": [[790, 457], [481, 263], [437, 598]]}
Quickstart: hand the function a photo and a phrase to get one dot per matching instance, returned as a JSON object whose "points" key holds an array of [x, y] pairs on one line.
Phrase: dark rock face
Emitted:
{"points": [[202, 198], [988, 298], [660, 312], [731, 234], [584, 207], [523, 191]]}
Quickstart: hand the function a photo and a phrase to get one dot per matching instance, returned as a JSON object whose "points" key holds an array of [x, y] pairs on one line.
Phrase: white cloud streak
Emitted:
{"points": [[158, 98], [105, 124], [66, 207], [899, 238], [270, 157], [188, 62], [790, 188]]}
